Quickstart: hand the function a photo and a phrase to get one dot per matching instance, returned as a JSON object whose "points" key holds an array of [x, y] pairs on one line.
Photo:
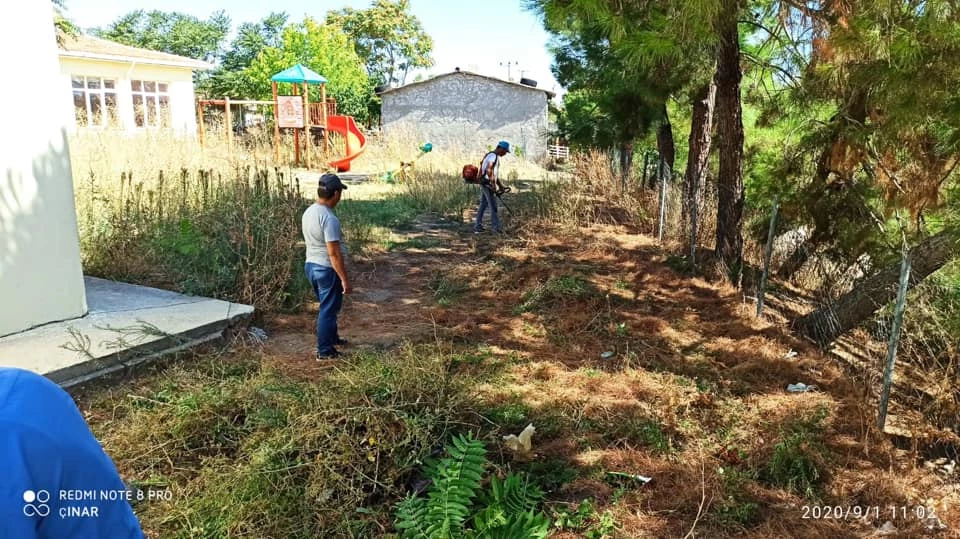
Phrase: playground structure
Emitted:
{"points": [[295, 112]]}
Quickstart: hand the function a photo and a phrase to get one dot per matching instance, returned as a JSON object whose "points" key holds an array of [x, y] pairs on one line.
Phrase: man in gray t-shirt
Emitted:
{"points": [[325, 267]]}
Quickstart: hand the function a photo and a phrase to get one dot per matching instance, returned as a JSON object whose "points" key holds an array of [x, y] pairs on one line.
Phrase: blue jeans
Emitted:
{"points": [[329, 291], [487, 198]]}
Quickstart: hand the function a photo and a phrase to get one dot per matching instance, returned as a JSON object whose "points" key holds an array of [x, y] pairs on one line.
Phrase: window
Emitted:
{"points": [[94, 101], [151, 103]]}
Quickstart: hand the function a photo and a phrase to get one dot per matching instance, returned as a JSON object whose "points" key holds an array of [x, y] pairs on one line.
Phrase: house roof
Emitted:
{"points": [[550, 95], [299, 73], [94, 48]]}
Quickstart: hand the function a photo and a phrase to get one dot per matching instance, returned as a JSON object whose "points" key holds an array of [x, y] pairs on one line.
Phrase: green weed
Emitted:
{"points": [[446, 289], [586, 520], [797, 461], [555, 290]]}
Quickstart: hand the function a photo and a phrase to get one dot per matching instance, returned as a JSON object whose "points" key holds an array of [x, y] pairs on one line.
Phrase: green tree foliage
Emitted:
{"points": [[611, 84], [62, 26], [584, 124], [388, 37], [887, 65], [171, 32], [325, 49], [647, 57], [232, 78]]}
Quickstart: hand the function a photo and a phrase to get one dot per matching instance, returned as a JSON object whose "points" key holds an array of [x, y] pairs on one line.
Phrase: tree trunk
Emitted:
{"points": [[665, 143], [701, 131], [626, 162], [870, 295], [730, 193]]}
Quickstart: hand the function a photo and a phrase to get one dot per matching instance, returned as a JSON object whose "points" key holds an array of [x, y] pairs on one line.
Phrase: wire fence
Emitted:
{"points": [[907, 337]]}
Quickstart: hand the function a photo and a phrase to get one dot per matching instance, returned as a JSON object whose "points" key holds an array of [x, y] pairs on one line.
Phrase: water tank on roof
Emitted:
{"points": [[529, 82]]}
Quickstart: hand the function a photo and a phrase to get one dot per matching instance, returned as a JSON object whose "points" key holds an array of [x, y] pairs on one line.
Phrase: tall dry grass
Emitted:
{"points": [[225, 222], [230, 235], [107, 154], [592, 195]]}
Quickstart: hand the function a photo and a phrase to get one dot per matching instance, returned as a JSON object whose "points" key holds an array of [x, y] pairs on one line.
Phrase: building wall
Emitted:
{"points": [[183, 111], [40, 276], [468, 112]]}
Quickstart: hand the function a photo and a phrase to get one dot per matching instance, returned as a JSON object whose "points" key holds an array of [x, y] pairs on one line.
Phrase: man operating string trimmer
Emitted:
{"points": [[491, 187]]}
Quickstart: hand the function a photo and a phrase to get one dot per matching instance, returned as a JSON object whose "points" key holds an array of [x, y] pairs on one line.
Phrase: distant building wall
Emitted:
{"points": [[468, 112], [40, 276]]}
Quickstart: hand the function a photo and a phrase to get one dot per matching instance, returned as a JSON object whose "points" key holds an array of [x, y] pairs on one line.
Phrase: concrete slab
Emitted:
{"points": [[126, 325]]}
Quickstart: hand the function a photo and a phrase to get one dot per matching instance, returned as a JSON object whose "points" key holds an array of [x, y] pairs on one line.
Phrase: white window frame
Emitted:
{"points": [[151, 94], [101, 91]]}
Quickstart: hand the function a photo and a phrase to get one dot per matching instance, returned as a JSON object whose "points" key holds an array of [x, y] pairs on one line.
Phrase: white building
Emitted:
{"points": [[118, 86], [469, 112], [41, 280]]}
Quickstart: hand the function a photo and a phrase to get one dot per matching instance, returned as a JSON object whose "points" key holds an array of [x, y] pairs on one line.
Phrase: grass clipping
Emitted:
{"points": [[274, 457]]}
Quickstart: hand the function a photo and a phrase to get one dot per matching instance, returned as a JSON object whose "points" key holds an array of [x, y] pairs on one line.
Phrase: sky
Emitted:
{"points": [[468, 34]]}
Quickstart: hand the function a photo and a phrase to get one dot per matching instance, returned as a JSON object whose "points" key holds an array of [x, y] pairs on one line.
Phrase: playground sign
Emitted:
{"points": [[290, 113]]}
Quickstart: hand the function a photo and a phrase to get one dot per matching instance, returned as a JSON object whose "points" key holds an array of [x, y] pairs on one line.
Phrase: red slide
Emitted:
{"points": [[356, 142]]}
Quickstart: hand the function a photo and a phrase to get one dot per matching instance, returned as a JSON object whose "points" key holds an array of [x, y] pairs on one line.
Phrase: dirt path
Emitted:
{"points": [[392, 299]]}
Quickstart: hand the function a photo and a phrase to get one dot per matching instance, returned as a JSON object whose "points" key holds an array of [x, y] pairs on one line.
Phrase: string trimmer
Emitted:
{"points": [[425, 148], [500, 191]]}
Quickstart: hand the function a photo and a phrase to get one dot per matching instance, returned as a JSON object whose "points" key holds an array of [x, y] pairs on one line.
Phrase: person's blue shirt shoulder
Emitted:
{"points": [[56, 480]]}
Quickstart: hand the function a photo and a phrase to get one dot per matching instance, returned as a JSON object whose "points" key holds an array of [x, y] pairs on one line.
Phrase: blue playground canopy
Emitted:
{"points": [[298, 74]]}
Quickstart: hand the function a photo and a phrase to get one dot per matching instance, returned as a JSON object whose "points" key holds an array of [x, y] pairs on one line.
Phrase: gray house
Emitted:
{"points": [[470, 112]]}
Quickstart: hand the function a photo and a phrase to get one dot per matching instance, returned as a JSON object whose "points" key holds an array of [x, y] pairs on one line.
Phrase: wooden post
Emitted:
{"points": [[296, 132], [228, 118], [894, 339], [768, 253], [276, 126], [323, 99], [306, 120], [200, 120]]}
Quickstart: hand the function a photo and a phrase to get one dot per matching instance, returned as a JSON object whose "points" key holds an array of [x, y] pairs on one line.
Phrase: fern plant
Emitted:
{"points": [[455, 506]]}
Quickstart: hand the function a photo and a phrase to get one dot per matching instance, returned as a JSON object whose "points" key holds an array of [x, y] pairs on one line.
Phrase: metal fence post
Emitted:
{"points": [[663, 202], [694, 208], [894, 339], [767, 254], [646, 166]]}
